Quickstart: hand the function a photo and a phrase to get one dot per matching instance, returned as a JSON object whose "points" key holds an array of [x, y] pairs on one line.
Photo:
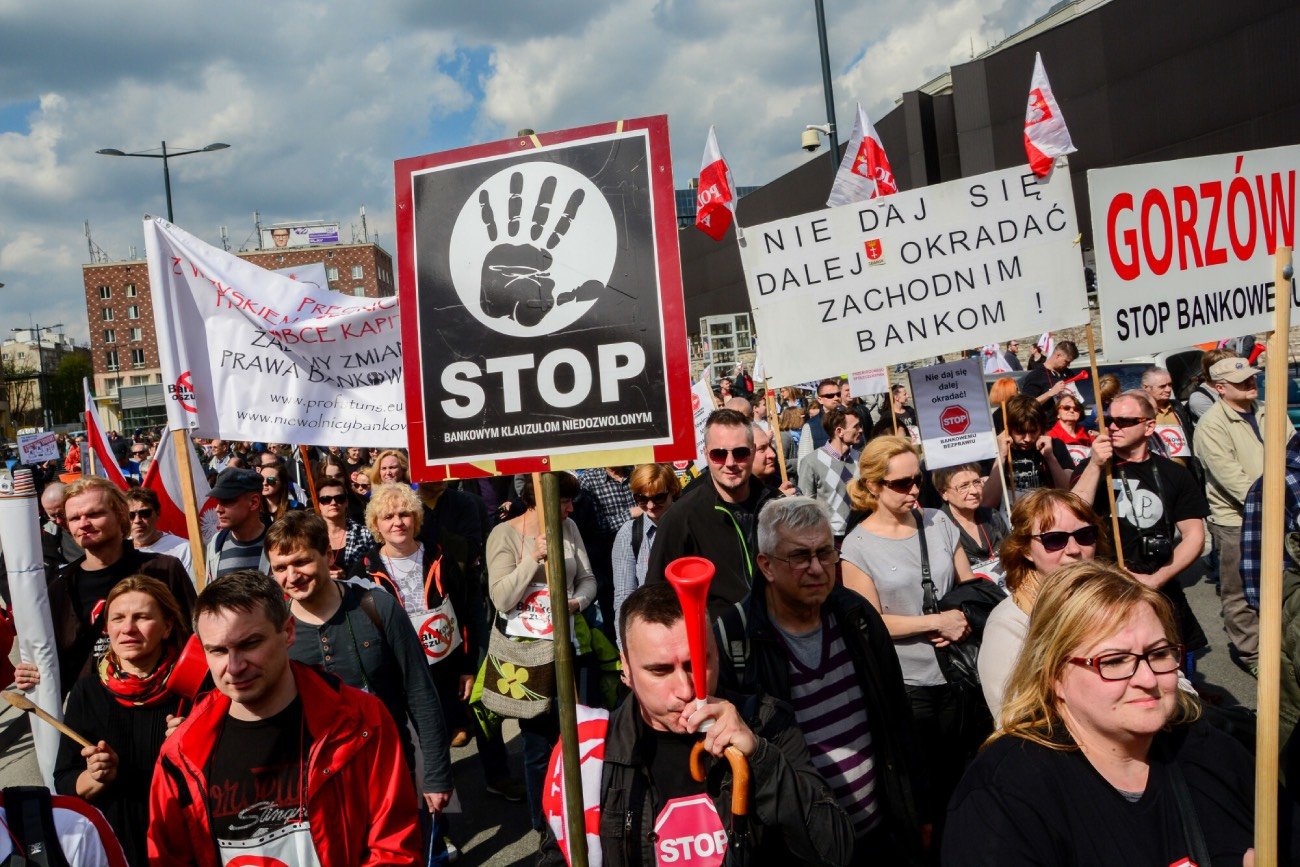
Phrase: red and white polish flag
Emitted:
{"points": [[97, 440], [164, 479], [1046, 136], [715, 201], [864, 172], [1046, 344]]}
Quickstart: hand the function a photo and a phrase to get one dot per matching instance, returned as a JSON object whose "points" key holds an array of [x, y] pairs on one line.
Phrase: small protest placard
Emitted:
{"points": [[1185, 248], [36, 448], [952, 410]]}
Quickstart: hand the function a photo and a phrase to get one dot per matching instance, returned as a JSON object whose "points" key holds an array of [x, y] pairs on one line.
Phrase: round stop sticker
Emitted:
{"points": [[1173, 438], [695, 402], [690, 833], [436, 634], [954, 420], [535, 612]]}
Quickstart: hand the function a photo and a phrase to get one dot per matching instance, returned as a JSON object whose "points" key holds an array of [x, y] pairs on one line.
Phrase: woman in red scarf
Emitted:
{"points": [[123, 707], [1069, 427]]}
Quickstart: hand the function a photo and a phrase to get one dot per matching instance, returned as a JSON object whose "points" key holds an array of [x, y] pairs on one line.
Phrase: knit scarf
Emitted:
{"points": [[129, 690]]}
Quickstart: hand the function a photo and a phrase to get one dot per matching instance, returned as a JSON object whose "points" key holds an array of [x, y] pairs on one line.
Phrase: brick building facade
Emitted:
{"points": [[124, 347]]}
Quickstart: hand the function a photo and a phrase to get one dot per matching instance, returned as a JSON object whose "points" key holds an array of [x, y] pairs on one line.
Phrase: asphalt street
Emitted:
{"points": [[492, 831]]}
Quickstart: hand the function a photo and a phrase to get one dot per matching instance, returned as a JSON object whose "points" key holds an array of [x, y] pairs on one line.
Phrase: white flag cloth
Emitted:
{"points": [[1046, 136], [715, 200], [1046, 344], [759, 372], [97, 438], [164, 479], [864, 172], [994, 360], [248, 354]]}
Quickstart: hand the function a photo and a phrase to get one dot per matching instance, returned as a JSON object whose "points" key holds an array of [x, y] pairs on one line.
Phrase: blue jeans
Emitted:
{"points": [[540, 736]]}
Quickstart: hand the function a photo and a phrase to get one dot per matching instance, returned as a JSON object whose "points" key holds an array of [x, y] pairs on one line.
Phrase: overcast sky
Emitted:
{"points": [[318, 99]]}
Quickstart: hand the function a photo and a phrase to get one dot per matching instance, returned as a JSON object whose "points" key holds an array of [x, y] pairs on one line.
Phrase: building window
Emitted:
{"points": [[110, 336], [140, 380], [157, 379], [358, 272], [105, 293], [332, 274], [137, 334], [106, 314], [112, 383], [130, 290], [110, 359], [137, 358], [359, 291], [133, 312]]}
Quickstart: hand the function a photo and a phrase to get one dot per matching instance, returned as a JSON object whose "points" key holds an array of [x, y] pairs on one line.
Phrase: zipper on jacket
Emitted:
{"points": [[744, 546]]}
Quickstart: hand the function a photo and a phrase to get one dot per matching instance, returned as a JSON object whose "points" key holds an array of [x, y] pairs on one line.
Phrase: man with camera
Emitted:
{"points": [[1161, 507]]}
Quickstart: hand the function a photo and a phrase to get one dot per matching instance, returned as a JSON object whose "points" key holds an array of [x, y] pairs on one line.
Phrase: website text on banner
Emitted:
{"points": [[916, 274], [1184, 248], [248, 354], [545, 288], [952, 409]]}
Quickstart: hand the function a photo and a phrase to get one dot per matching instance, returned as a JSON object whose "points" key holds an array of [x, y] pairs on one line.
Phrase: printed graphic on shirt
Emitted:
{"points": [[1143, 509], [690, 833]]}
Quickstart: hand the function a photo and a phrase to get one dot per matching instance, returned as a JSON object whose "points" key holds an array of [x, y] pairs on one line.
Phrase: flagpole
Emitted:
{"points": [[311, 479], [774, 422], [1267, 748], [1101, 421], [1008, 485], [181, 443]]}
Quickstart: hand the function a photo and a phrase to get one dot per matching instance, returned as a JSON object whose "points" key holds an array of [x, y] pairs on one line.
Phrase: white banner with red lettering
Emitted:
{"points": [[593, 723], [952, 410], [248, 354], [1185, 248]]}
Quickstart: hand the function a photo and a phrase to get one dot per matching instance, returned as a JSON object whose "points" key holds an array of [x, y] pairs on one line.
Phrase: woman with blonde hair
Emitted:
{"points": [[888, 558], [391, 465], [1100, 758]]}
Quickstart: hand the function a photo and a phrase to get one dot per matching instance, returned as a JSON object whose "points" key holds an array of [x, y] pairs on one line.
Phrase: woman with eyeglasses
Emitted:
{"points": [[982, 528], [349, 538], [1100, 758], [886, 558], [1069, 427], [1049, 529], [654, 488]]}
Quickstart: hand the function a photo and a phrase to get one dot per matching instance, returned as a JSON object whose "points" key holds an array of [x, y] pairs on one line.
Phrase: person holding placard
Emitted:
{"points": [[1031, 458], [1174, 424]]}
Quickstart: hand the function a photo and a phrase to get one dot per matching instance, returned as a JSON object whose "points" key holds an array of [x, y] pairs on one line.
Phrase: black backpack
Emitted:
{"points": [[30, 817]]}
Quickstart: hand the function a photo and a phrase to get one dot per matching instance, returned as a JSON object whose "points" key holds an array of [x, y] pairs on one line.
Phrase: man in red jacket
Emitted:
{"points": [[282, 763]]}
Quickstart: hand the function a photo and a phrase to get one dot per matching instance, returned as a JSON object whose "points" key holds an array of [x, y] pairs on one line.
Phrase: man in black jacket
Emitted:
{"points": [[652, 811], [823, 648], [718, 520]]}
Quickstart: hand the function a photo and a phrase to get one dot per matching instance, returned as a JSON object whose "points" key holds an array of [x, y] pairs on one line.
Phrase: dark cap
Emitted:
{"points": [[235, 482]]}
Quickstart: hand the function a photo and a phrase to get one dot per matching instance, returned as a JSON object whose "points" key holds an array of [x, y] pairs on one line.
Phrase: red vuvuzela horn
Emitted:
{"points": [[190, 669], [690, 577], [1081, 375]]}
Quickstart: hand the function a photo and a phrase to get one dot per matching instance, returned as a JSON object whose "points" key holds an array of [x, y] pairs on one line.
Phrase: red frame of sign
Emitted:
{"points": [[671, 303]]}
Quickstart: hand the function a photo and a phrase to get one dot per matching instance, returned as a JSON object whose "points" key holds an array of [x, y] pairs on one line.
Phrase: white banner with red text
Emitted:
{"points": [[248, 354], [1185, 248]]}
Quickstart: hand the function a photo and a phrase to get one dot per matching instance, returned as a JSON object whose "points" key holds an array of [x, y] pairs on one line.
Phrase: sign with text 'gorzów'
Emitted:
{"points": [[543, 289], [1185, 248], [915, 274]]}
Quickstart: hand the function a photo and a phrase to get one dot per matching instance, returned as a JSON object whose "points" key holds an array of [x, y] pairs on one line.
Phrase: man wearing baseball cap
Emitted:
{"points": [[240, 525], [1229, 442]]}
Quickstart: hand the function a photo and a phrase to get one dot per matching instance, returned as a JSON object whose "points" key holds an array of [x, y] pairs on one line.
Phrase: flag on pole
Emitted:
{"points": [[715, 201], [1046, 344], [164, 479], [994, 360], [864, 172], [97, 440], [1046, 136]]}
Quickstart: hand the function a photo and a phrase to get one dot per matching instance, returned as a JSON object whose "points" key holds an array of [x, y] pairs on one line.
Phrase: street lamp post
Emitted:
{"points": [[829, 92], [165, 155]]}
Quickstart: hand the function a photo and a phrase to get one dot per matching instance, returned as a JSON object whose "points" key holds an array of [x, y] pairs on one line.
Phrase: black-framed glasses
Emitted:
{"points": [[332, 499], [904, 485], [740, 453], [1056, 540], [142, 514], [802, 560], [646, 499], [1122, 666], [1124, 421]]}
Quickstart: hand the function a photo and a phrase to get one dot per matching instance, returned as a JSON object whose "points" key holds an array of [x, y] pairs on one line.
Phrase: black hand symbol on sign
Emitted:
{"points": [[516, 280]]}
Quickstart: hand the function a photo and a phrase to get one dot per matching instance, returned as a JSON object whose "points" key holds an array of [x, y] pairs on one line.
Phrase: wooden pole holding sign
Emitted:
{"points": [[774, 422], [311, 477], [1008, 485], [565, 683], [1267, 748], [1101, 424], [181, 443]]}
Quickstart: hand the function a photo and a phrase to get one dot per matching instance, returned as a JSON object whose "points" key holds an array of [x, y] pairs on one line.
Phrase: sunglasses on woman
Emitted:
{"points": [[1056, 540], [904, 485], [270, 480], [646, 499]]}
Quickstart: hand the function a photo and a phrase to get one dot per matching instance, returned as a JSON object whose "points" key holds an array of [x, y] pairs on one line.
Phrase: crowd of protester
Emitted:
{"points": [[919, 665]]}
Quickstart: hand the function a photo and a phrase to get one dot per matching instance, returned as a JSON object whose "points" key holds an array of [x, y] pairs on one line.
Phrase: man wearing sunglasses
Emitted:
{"points": [[718, 520], [1161, 508], [1229, 444], [814, 436], [142, 511], [802, 637]]}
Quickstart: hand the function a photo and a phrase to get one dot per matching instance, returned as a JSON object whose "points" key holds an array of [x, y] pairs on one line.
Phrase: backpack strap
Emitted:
{"points": [[30, 816], [367, 605], [638, 536], [737, 647]]}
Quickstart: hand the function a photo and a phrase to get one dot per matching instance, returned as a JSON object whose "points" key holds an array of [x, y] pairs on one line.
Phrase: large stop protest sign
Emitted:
{"points": [[1184, 248], [914, 275], [542, 284]]}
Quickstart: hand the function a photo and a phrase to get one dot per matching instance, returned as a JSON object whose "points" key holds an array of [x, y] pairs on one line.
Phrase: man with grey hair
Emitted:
{"points": [[741, 405], [1173, 421], [56, 541], [802, 637]]}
